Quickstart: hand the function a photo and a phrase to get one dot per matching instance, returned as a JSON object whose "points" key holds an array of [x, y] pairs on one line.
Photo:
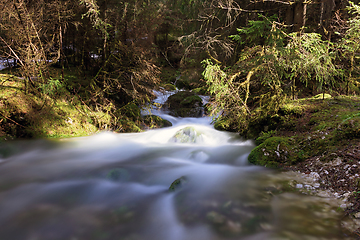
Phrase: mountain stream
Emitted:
{"points": [[185, 182]]}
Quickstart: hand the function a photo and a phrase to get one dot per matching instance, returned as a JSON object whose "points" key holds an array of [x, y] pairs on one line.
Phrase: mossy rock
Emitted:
{"points": [[118, 174], [265, 135], [183, 83], [131, 110], [221, 125], [177, 184], [200, 90], [128, 126], [273, 152], [153, 121], [169, 87], [184, 104]]}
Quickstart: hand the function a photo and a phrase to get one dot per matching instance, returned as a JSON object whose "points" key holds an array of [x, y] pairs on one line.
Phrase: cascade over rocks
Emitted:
{"points": [[184, 104]]}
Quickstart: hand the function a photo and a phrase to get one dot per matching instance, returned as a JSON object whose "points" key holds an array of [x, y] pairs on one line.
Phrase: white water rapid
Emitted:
{"points": [[116, 187]]}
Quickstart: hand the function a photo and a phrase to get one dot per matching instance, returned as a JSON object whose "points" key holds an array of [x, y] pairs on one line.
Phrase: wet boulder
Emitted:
{"points": [[184, 104], [187, 135], [178, 183]]}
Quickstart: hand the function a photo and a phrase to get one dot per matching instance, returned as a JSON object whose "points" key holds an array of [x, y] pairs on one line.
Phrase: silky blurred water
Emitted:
{"points": [[116, 186]]}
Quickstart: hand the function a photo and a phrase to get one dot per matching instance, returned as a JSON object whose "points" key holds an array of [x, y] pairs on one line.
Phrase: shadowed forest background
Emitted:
{"points": [[76, 67]]}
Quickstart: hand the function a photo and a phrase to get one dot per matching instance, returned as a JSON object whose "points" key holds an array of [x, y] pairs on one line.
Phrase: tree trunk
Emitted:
{"points": [[296, 16], [299, 15], [327, 6], [289, 18]]}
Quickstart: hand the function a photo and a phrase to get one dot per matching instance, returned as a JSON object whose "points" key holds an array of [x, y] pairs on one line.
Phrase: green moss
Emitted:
{"points": [[191, 100], [273, 152], [131, 110], [184, 104], [200, 90], [125, 125], [169, 87], [349, 128], [319, 129], [153, 121], [265, 135], [177, 184], [292, 108], [221, 124]]}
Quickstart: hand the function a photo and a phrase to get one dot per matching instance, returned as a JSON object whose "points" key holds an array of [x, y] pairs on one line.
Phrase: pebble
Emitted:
{"points": [[299, 185], [357, 215], [314, 175]]}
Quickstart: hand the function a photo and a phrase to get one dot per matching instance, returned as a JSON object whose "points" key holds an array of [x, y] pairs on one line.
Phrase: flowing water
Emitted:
{"points": [[117, 186]]}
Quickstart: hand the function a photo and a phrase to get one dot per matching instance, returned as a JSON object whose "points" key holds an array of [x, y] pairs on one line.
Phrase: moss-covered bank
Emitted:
{"points": [[305, 129], [52, 111], [316, 137]]}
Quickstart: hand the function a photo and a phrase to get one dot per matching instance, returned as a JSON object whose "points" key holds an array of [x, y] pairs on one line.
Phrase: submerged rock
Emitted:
{"points": [[118, 174], [178, 183]]}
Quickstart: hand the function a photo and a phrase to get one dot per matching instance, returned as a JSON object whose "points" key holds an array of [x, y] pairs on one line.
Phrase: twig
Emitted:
{"points": [[12, 121]]}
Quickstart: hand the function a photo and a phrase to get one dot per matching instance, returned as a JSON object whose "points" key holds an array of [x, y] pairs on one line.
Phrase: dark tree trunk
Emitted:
{"points": [[289, 18], [299, 15], [326, 9]]}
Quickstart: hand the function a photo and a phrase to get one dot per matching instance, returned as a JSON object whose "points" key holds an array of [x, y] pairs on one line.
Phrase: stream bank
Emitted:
{"points": [[318, 139]]}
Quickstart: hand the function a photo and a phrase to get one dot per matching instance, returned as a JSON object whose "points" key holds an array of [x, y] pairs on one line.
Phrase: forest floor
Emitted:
{"points": [[320, 140]]}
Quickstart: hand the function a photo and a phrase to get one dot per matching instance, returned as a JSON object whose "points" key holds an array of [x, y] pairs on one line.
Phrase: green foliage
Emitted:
{"points": [[350, 44], [308, 58], [93, 14], [52, 88], [352, 40], [263, 29], [270, 69], [229, 97]]}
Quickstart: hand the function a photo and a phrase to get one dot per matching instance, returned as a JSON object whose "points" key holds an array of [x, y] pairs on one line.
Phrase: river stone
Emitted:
{"points": [[184, 104], [187, 135], [178, 183], [357, 215], [118, 174]]}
